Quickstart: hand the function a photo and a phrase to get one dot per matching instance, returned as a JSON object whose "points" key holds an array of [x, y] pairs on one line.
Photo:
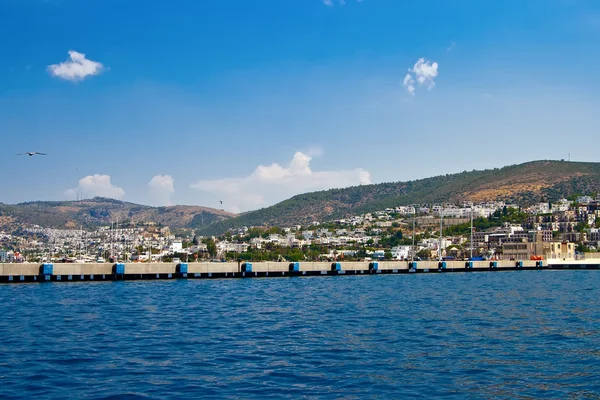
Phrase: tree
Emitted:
{"points": [[211, 247], [581, 248], [581, 226], [195, 241], [387, 255], [423, 254]]}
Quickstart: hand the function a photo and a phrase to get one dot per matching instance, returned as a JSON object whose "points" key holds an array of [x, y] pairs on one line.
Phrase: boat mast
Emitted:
{"points": [[441, 222], [471, 231]]}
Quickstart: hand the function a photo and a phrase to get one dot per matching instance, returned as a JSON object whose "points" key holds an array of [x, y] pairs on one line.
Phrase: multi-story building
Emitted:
{"points": [[401, 252], [562, 251]]}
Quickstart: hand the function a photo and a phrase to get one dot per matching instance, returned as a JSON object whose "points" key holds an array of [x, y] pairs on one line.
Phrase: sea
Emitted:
{"points": [[484, 335]]}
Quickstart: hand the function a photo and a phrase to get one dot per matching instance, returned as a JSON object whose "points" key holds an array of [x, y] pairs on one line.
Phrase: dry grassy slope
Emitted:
{"points": [[101, 211], [532, 178], [524, 183]]}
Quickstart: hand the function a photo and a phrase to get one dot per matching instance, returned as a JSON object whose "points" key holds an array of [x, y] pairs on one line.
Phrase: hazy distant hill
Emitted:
{"points": [[101, 211], [524, 183]]}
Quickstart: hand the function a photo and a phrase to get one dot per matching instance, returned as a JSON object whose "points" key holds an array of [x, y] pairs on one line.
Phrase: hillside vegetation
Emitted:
{"points": [[523, 184], [102, 211]]}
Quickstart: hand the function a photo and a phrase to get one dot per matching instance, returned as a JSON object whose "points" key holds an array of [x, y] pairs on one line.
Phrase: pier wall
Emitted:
{"points": [[107, 271]]}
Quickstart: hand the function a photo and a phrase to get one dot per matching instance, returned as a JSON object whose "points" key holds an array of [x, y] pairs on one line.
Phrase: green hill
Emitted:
{"points": [[523, 184], [102, 211]]}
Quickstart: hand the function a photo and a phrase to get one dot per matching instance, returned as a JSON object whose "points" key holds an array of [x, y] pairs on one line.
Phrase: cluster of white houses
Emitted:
{"points": [[552, 230]]}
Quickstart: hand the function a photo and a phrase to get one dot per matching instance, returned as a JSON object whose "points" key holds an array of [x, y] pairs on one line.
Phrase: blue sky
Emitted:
{"points": [[250, 102]]}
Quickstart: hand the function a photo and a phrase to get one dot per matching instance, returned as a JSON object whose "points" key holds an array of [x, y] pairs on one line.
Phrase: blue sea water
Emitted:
{"points": [[525, 334]]}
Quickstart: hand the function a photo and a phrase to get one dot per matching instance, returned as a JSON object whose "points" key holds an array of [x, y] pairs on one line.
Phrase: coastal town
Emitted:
{"points": [[567, 229]]}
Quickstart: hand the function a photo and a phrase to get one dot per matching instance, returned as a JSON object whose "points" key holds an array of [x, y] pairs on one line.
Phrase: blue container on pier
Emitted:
{"points": [[119, 269], [47, 269], [493, 264], [519, 264], [412, 265], [336, 266], [295, 267], [182, 268], [374, 266], [469, 264], [247, 267]]}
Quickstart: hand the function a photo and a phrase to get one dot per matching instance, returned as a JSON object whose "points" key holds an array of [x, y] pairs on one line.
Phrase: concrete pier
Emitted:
{"points": [[21, 273]]}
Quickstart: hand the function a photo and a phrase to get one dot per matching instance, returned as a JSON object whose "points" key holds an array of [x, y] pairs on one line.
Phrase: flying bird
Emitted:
{"points": [[32, 153], [221, 201]]}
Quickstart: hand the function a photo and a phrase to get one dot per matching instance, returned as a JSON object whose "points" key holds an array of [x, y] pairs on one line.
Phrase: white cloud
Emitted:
{"points": [[424, 73], [409, 83], [77, 68], [95, 185], [330, 3], [268, 185], [160, 189]]}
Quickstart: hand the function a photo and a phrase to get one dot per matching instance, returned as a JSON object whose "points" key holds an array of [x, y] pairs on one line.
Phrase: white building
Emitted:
{"points": [[401, 252], [307, 235], [540, 208], [561, 205], [257, 243], [584, 200], [378, 254], [176, 247], [225, 246]]}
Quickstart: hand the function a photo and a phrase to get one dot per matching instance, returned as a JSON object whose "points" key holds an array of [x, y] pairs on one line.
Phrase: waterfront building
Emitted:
{"points": [[401, 252]]}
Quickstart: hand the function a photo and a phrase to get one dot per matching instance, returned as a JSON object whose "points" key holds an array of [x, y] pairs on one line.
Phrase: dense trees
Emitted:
{"points": [[211, 247]]}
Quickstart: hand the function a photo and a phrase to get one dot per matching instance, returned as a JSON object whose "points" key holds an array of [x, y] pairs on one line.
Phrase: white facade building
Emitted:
{"points": [[401, 252], [176, 247]]}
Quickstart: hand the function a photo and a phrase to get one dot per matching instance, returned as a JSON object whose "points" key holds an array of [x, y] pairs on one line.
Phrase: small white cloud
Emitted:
{"points": [[330, 3], [95, 185], [314, 152], [77, 68], [268, 185], [409, 84], [424, 73], [160, 189]]}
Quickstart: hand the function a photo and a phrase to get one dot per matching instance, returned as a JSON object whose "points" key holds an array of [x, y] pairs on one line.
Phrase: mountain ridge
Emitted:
{"points": [[90, 213], [524, 183]]}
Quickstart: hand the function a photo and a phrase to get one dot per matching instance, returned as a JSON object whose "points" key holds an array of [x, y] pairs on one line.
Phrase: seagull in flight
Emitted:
{"points": [[221, 202], [32, 153]]}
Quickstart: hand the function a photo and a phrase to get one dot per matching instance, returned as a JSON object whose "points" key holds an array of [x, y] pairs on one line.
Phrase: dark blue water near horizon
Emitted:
{"points": [[470, 335]]}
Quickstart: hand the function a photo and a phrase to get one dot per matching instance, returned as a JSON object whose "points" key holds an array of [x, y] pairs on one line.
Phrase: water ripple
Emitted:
{"points": [[451, 336]]}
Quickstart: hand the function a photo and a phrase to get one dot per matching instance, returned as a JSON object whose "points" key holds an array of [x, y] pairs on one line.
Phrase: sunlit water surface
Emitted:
{"points": [[463, 335]]}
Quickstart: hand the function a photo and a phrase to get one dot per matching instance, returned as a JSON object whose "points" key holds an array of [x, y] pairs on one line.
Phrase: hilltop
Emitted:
{"points": [[523, 184], [102, 211]]}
